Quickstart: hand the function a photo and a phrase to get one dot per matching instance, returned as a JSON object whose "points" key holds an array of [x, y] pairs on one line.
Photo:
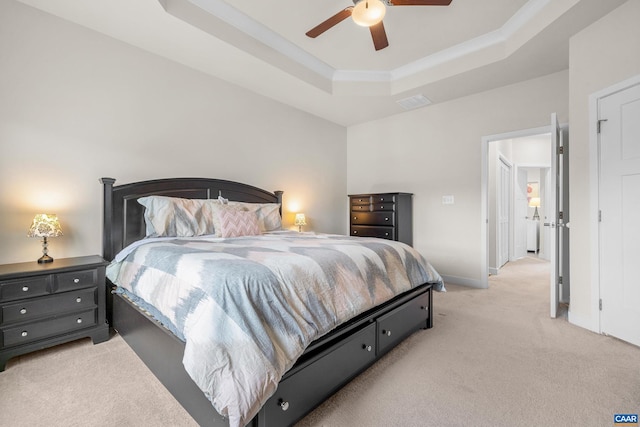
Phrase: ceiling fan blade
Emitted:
{"points": [[420, 2], [329, 23], [379, 36]]}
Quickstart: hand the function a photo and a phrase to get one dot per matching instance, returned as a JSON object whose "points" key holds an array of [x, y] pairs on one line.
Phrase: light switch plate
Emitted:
{"points": [[447, 200]]}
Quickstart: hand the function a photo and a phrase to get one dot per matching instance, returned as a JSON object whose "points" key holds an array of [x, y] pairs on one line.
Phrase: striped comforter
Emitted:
{"points": [[248, 307]]}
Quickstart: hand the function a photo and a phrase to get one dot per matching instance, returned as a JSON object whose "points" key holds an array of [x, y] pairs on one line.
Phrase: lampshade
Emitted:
{"points": [[534, 202], [368, 12], [45, 225], [300, 221]]}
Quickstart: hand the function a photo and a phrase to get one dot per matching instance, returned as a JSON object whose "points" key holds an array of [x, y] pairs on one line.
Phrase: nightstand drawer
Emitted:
{"points": [[23, 334], [372, 218], [35, 308], [75, 280], [24, 288]]}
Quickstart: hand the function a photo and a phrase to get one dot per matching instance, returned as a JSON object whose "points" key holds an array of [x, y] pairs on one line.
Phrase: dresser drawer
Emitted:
{"points": [[34, 308], [361, 208], [394, 326], [382, 206], [308, 387], [383, 198], [369, 231], [75, 280], [22, 334], [24, 288], [372, 218], [362, 200]]}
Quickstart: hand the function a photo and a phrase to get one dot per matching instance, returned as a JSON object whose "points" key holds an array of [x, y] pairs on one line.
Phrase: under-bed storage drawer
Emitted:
{"points": [[305, 389], [396, 325]]}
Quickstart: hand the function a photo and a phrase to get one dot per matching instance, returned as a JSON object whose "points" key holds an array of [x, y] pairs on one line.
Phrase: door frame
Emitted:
{"points": [[484, 193], [593, 323]]}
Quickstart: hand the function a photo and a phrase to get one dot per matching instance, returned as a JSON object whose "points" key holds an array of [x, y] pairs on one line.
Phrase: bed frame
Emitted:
{"points": [[326, 365]]}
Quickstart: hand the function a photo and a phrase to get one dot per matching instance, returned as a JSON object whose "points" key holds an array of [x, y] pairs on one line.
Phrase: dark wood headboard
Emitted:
{"points": [[123, 216]]}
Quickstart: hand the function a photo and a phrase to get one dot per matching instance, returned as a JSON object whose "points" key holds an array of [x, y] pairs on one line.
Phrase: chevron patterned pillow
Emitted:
{"points": [[238, 223]]}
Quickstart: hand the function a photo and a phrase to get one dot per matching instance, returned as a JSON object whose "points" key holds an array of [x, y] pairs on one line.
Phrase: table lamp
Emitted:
{"points": [[300, 221], [535, 203], [45, 225]]}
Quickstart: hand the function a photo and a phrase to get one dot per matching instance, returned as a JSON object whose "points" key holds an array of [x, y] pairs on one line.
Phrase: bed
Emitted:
{"points": [[327, 348]]}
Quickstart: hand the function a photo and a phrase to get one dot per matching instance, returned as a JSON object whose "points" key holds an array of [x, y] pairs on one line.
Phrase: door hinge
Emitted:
{"points": [[600, 304], [560, 279], [560, 150], [599, 216], [600, 124], [560, 215]]}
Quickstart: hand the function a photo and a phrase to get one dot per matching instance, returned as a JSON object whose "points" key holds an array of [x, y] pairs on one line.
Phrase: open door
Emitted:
{"points": [[556, 220]]}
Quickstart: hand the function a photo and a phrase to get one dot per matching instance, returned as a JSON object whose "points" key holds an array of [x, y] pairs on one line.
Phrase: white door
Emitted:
{"points": [[619, 204], [520, 215], [556, 141], [504, 197]]}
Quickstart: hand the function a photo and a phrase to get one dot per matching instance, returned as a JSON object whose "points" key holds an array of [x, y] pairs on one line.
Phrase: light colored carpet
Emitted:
{"points": [[493, 358]]}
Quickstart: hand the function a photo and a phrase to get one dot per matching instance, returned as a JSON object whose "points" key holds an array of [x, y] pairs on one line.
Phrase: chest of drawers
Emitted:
{"points": [[383, 215], [42, 305]]}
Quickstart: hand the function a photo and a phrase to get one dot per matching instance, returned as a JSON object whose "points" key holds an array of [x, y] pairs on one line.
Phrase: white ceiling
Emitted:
{"points": [[441, 52]]}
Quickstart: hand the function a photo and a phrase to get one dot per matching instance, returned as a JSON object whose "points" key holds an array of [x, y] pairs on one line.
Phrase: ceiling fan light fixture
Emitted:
{"points": [[368, 12]]}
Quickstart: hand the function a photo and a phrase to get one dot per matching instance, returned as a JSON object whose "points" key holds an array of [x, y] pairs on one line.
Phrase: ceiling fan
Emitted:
{"points": [[369, 13]]}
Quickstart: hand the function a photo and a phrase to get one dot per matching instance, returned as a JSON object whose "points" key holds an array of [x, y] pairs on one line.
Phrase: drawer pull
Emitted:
{"points": [[79, 320], [23, 311], [367, 347], [386, 234], [24, 333], [355, 231], [355, 218], [284, 405], [422, 307], [386, 219], [25, 289], [385, 332], [78, 299], [76, 280]]}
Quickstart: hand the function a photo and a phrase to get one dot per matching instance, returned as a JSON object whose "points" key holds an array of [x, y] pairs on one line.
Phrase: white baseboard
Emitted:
{"points": [[463, 281]]}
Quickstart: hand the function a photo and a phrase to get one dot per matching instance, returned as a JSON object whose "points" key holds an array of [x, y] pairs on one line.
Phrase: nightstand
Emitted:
{"points": [[42, 305]]}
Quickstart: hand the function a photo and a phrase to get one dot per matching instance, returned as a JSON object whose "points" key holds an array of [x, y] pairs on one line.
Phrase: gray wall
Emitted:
{"points": [[76, 105]]}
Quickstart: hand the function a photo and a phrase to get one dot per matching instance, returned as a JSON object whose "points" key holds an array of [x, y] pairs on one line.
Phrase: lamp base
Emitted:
{"points": [[535, 214], [44, 259]]}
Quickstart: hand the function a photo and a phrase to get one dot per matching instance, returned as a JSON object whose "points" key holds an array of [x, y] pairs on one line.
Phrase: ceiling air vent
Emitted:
{"points": [[413, 102]]}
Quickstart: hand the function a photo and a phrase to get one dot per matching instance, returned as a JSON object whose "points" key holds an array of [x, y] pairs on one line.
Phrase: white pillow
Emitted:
{"points": [[176, 217]]}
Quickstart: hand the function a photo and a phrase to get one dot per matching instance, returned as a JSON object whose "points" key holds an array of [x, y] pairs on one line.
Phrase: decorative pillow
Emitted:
{"points": [[175, 217], [216, 213], [238, 223], [269, 217]]}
